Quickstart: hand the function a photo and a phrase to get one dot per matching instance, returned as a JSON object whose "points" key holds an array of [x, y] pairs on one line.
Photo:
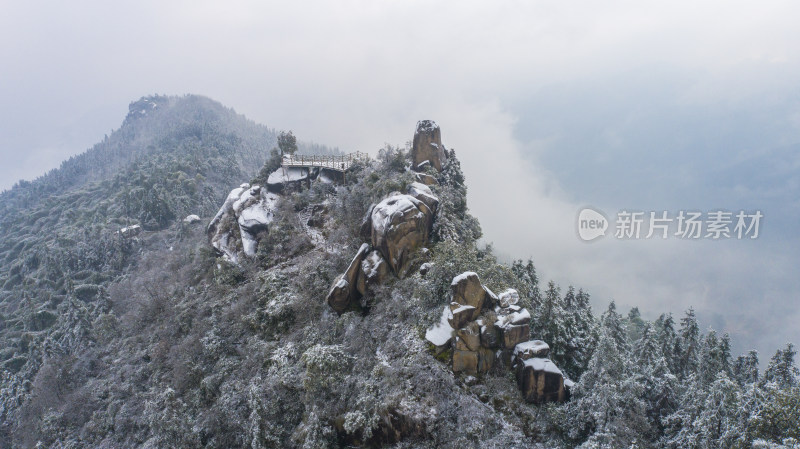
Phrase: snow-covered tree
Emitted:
{"points": [[745, 369], [689, 345], [607, 409], [612, 322], [715, 357], [660, 386], [782, 369]]}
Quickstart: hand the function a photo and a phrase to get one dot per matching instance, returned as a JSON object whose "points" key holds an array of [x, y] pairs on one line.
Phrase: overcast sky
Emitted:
{"points": [[551, 106]]}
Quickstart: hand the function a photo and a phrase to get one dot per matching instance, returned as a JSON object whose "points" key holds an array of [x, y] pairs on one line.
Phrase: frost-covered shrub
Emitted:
{"points": [[325, 365]]}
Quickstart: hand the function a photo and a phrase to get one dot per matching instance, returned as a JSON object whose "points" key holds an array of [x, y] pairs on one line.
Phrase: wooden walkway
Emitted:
{"points": [[338, 163]]}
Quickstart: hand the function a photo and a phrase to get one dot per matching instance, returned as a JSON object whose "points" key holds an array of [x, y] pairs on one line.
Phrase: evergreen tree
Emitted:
{"points": [[689, 345], [715, 357], [680, 430], [551, 325], [745, 369], [634, 324], [659, 384], [607, 409], [580, 332], [529, 281], [612, 322], [665, 326], [781, 369], [718, 422]]}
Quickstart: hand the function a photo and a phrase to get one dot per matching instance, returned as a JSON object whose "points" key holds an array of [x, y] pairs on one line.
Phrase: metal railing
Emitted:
{"points": [[339, 163]]}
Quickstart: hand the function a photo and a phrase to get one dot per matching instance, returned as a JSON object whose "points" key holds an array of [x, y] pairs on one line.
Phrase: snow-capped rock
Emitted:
{"points": [[248, 210], [130, 231], [540, 380], [400, 225], [191, 219]]}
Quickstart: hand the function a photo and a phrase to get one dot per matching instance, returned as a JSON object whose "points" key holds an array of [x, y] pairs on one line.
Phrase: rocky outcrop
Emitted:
{"points": [[427, 147], [488, 332], [345, 290], [396, 228], [400, 225], [247, 211]]}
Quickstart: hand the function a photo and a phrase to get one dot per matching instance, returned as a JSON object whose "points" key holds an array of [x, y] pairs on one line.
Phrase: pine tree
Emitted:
{"points": [[529, 281], [580, 330], [551, 325], [680, 430], [607, 409], [634, 324], [665, 326], [715, 357], [660, 385], [612, 322], [745, 369], [689, 345], [719, 419], [781, 369]]}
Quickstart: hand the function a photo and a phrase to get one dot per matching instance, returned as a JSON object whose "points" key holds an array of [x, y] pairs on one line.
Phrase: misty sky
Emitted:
{"points": [[551, 106]]}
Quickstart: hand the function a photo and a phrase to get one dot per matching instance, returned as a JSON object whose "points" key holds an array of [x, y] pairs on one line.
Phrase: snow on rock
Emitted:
{"points": [[508, 297], [130, 231], [423, 193], [540, 380], [248, 209], [400, 225], [466, 289], [191, 219], [440, 333], [531, 349]]}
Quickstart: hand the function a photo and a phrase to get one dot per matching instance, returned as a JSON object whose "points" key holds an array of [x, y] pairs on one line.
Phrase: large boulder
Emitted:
{"points": [[540, 381], [467, 290], [247, 211], [428, 146], [426, 179], [400, 226], [345, 288]]}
